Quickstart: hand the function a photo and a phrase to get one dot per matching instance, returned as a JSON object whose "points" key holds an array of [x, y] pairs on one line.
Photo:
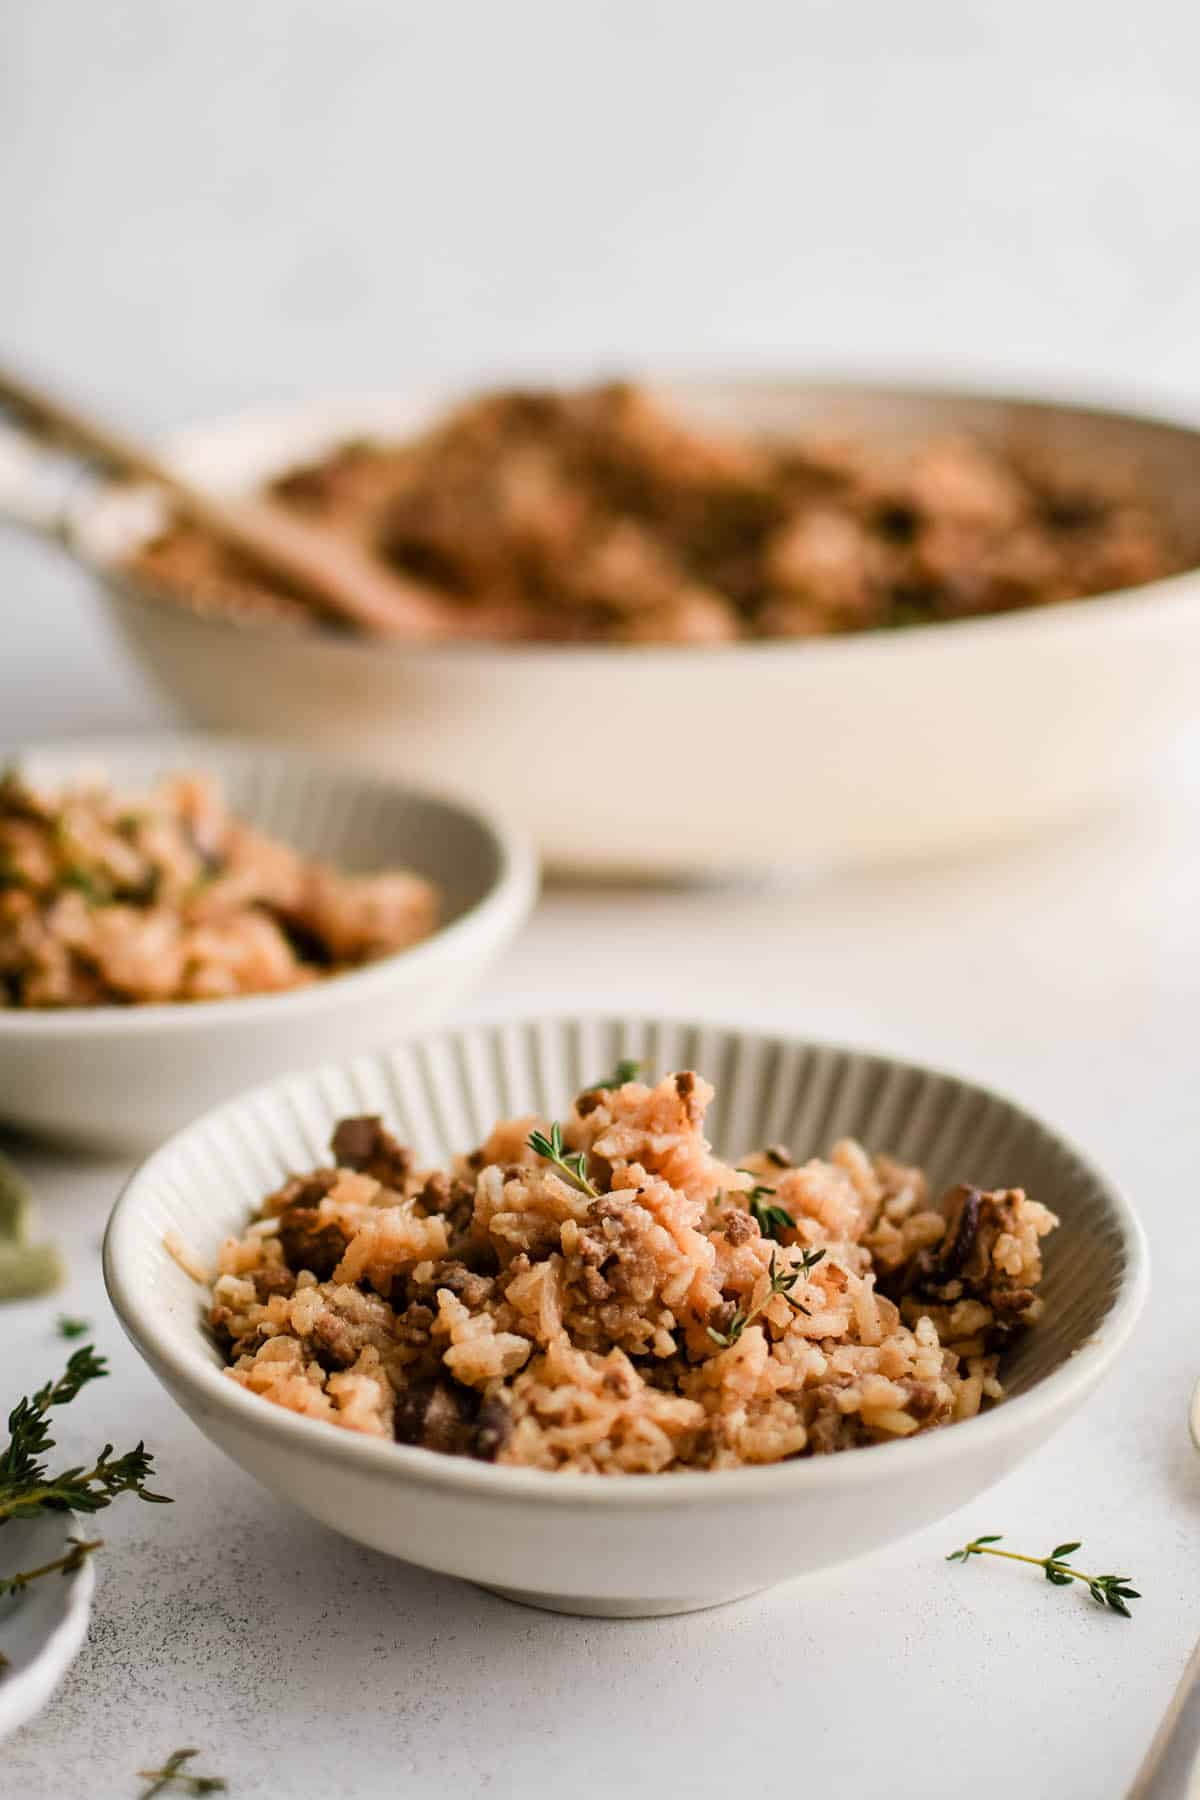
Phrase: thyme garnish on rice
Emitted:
{"points": [[771, 1219], [571, 1164], [627, 1069], [783, 1280]]}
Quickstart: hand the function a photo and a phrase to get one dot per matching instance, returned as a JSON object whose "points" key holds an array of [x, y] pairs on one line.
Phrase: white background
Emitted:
{"points": [[213, 206]]}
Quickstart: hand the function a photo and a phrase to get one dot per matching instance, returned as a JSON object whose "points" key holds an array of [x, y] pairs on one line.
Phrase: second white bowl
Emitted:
{"points": [[126, 1076]]}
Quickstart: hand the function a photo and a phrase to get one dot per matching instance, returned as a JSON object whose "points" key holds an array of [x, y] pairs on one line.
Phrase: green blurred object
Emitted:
{"points": [[26, 1270], [15, 1202]]}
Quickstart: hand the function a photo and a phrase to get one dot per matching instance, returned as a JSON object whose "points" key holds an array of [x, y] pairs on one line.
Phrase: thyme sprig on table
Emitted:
{"points": [[26, 1485], [1111, 1591], [67, 1327], [174, 1775], [783, 1280], [571, 1164]]}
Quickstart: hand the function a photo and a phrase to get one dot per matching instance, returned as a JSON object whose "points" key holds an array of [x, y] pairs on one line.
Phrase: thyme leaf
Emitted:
{"points": [[627, 1069], [571, 1164], [93, 887], [72, 1328], [27, 1487], [1111, 1591], [174, 1775], [782, 1281], [771, 1219]]}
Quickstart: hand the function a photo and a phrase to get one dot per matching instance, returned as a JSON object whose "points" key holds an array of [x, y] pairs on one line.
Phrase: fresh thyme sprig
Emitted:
{"points": [[571, 1164], [94, 888], [1106, 1590], [73, 1559], [72, 1328], [627, 1069], [174, 1775], [783, 1280], [26, 1485], [771, 1219]]}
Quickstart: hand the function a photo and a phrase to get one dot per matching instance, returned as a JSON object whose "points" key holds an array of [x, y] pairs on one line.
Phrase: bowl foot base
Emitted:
{"points": [[608, 1606]]}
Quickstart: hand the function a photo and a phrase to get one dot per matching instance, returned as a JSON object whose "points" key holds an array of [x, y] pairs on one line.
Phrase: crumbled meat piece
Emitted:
{"points": [[366, 1145], [301, 1190], [435, 1193], [615, 1208], [923, 1400], [963, 1208], [471, 1288], [739, 1227], [437, 1415], [685, 1087], [493, 1428], [273, 1279], [594, 1284], [354, 1140], [414, 1321], [221, 1320], [1006, 1301], [308, 1244], [592, 1249], [335, 1342]]}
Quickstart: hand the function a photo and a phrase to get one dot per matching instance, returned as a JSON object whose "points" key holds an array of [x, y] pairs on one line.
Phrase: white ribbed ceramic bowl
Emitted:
{"points": [[625, 1546], [125, 1076]]}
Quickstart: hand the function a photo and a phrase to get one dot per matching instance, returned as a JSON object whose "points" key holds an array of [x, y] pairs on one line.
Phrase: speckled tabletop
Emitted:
{"points": [[1066, 972], [1006, 188]]}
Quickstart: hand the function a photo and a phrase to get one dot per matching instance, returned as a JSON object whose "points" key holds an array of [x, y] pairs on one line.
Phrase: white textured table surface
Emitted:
{"points": [[216, 206], [1066, 972]]}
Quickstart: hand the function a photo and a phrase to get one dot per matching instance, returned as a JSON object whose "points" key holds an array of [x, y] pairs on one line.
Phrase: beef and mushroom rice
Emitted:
{"points": [[607, 1295]]}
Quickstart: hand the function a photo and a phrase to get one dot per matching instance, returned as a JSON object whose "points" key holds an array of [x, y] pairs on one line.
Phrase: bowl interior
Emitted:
{"points": [[345, 817], [442, 1094]]}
